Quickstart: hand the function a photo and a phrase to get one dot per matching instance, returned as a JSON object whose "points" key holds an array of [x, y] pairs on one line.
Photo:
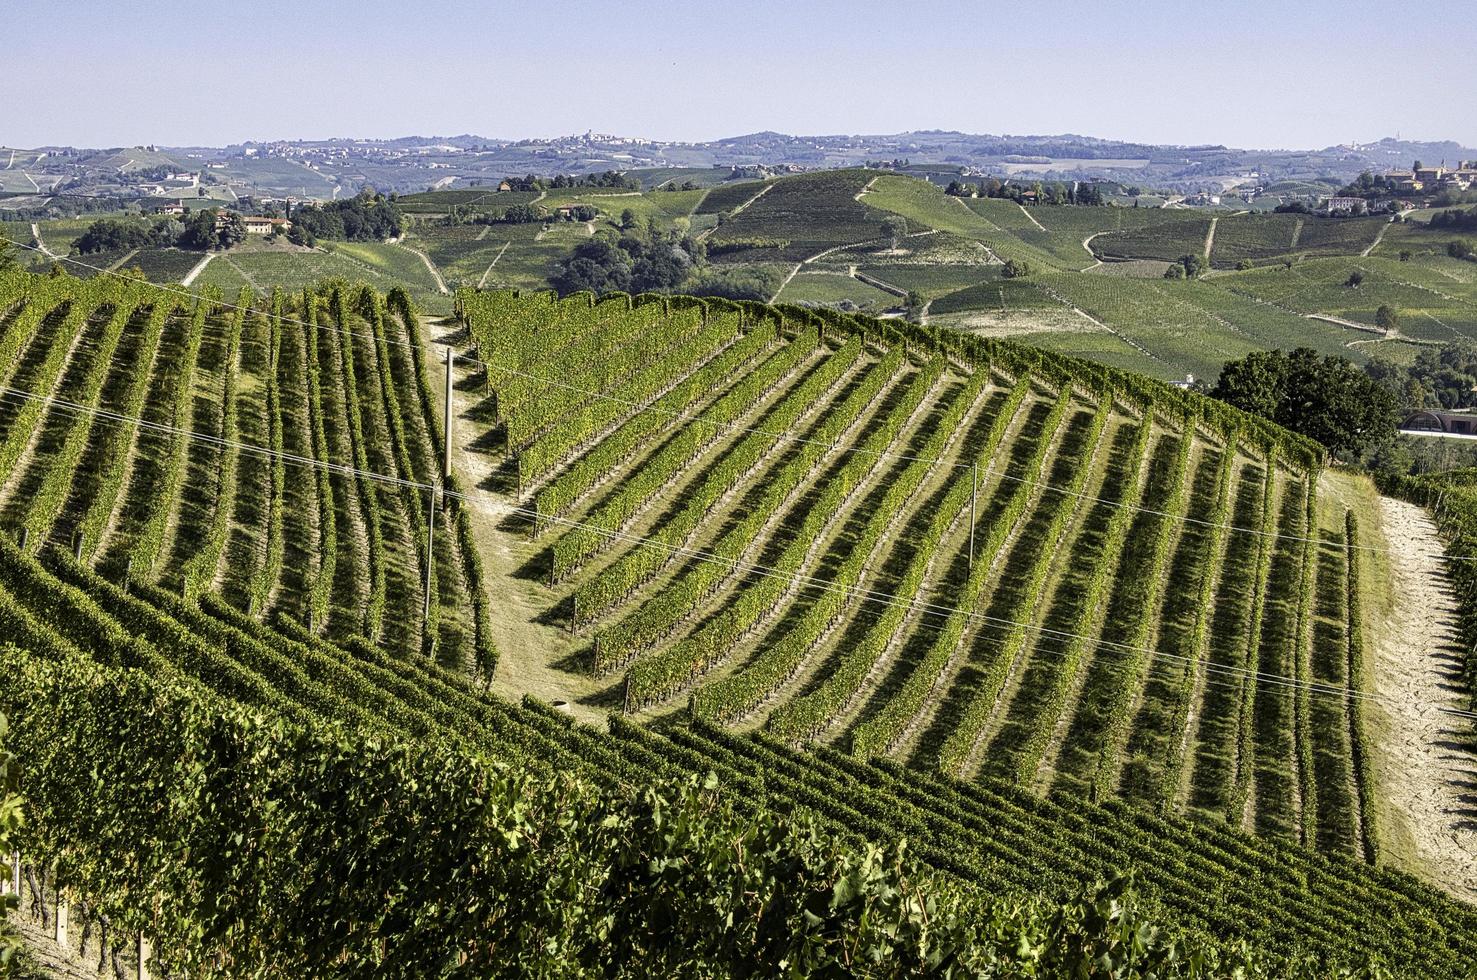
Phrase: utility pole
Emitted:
{"points": [[974, 493], [446, 455], [430, 555]]}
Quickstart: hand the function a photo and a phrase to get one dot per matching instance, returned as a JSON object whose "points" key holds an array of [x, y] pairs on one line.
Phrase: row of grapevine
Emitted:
{"points": [[559, 494], [1357, 678], [269, 573], [658, 614], [685, 444], [321, 591], [657, 677], [636, 566], [806, 716], [980, 700], [199, 571], [638, 390]]}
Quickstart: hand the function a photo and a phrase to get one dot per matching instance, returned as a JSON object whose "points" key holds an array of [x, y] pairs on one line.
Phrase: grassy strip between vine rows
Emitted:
{"points": [[577, 545], [568, 487], [679, 597], [804, 717], [981, 699], [636, 566], [659, 676]]}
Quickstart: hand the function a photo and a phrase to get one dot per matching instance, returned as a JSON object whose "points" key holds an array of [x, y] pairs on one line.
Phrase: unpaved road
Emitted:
{"points": [[1424, 775]]}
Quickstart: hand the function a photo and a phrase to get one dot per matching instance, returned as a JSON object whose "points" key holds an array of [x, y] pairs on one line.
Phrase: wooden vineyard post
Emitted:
{"points": [[61, 918], [13, 886], [974, 470], [446, 452], [145, 951], [430, 556]]}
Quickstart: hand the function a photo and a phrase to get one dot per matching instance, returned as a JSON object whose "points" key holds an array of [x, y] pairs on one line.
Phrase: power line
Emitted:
{"points": [[805, 581]]}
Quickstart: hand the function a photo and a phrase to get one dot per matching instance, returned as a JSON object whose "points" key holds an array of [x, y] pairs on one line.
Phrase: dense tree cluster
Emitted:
{"points": [[200, 230], [1441, 377], [633, 263], [612, 179], [735, 282], [1455, 220], [1188, 267], [365, 217], [1083, 193], [1328, 399]]}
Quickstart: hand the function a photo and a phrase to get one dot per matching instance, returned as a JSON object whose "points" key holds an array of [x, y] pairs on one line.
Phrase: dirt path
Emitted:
{"points": [[1425, 775], [430, 267], [1210, 237], [41, 242], [199, 268], [1383, 228], [1029, 217], [1086, 244], [488, 271]]}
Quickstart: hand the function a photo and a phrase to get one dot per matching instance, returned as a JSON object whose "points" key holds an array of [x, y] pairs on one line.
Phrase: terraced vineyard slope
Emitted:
{"points": [[208, 446], [962, 555]]}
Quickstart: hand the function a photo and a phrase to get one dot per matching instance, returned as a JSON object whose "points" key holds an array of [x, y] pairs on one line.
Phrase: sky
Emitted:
{"points": [[1261, 75]]}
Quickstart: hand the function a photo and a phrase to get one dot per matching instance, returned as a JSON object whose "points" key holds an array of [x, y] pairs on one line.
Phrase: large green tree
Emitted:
{"points": [[1328, 399]]}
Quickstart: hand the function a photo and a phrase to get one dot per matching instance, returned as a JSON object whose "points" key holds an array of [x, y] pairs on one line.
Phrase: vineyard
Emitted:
{"points": [[875, 582], [134, 430], [947, 552], [140, 694]]}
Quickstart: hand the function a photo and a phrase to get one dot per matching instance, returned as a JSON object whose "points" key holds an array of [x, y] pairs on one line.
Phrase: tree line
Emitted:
{"points": [[1039, 192]]}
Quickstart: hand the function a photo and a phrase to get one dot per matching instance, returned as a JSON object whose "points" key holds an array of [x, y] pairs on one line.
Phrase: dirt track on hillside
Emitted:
{"points": [[1427, 775]]}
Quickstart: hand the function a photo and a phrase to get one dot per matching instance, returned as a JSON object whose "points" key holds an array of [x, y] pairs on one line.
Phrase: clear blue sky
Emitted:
{"points": [[1291, 73]]}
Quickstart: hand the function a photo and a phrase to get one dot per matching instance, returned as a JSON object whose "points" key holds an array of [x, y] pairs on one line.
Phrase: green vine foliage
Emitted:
{"points": [[12, 822], [250, 845]]}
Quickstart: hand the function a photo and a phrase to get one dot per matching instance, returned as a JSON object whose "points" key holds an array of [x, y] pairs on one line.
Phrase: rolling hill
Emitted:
{"points": [[840, 582]]}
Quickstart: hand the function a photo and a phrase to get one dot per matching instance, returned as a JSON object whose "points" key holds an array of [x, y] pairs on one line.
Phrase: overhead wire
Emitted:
{"points": [[738, 429], [808, 582]]}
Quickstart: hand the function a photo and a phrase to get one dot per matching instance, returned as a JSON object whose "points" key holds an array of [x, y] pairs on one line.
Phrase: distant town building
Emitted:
{"points": [[505, 186], [256, 225], [1348, 205], [172, 207]]}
